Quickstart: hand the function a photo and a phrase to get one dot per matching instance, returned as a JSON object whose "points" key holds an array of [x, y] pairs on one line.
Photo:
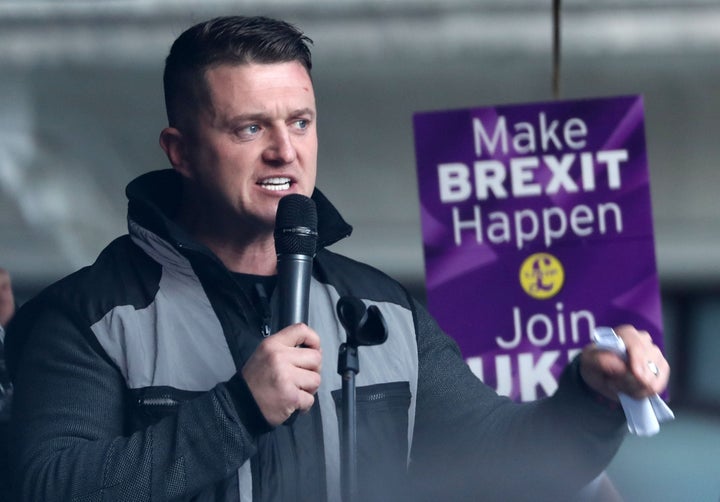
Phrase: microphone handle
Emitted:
{"points": [[294, 273]]}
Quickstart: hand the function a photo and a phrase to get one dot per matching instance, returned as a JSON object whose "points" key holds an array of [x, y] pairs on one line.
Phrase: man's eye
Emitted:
{"points": [[249, 130], [302, 124]]}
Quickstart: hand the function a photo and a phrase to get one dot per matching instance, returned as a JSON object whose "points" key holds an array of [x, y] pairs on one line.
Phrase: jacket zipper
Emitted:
{"points": [[265, 307]]}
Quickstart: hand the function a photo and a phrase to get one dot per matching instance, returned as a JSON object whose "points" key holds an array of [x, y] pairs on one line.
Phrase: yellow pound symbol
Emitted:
{"points": [[542, 275]]}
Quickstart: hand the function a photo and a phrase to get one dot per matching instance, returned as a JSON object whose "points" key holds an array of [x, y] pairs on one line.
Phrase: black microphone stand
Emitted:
{"points": [[348, 367], [363, 326]]}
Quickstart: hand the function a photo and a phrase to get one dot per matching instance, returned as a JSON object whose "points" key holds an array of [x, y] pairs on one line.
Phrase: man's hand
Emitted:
{"points": [[608, 374], [283, 373], [7, 300]]}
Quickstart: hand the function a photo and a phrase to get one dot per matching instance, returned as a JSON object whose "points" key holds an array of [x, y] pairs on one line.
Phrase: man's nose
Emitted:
{"points": [[281, 149]]}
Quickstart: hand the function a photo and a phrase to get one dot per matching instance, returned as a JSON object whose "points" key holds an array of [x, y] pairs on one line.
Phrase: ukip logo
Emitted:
{"points": [[542, 276]]}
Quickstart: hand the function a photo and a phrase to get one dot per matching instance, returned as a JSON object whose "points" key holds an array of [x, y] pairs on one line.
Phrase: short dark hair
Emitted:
{"points": [[225, 40]]}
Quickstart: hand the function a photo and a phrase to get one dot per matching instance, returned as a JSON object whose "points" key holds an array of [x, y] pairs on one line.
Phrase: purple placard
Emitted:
{"points": [[537, 226]]}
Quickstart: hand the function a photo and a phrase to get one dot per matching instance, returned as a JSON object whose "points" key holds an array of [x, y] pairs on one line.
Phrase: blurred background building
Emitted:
{"points": [[81, 108]]}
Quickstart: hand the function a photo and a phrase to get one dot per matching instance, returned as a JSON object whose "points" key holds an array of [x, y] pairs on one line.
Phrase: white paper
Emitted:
{"points": [[643, 415]]}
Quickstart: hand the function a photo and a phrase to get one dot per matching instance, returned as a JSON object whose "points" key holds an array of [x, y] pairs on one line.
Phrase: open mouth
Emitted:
{"points": [[276, 184]]}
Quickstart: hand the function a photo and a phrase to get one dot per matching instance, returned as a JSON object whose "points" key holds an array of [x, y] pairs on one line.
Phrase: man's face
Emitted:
{"points": [[256, 143]]}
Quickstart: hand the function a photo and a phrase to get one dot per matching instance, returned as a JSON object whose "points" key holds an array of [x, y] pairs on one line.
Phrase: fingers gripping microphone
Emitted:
{"points": [[295, 245]]}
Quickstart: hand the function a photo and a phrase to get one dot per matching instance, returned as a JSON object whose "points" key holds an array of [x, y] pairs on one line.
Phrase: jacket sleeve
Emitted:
{"points": [[470, 442], [71, 439]]}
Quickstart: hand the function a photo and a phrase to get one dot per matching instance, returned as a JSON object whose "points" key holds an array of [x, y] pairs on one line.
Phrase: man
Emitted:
{"points": [[7, 299], [7, 309], [148, 375]]}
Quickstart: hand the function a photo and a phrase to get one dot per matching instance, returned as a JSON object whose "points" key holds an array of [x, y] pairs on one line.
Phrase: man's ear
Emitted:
{"points": [[174, 144]]}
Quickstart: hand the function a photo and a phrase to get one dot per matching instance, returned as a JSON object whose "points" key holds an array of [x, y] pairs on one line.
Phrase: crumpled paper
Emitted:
{"points": [[644, 416]]}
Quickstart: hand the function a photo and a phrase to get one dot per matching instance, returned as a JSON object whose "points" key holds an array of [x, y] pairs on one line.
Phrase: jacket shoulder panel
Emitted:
{"points": [[351, 277], [175, 341], [121, 275]]}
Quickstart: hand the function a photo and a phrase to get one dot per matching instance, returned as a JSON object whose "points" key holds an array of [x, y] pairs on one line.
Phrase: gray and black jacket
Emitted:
{"points": [[128, 388]]}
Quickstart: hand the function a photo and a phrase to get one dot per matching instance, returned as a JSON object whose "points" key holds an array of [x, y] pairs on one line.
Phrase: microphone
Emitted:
{"points": [[295, 245]]}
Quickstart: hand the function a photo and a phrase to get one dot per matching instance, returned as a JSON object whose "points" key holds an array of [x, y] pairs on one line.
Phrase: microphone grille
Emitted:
{"points": [[296, 225]]}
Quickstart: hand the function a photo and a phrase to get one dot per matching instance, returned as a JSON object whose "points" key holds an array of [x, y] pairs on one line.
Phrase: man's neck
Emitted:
{"points": [[257, 258], [251, 251]]}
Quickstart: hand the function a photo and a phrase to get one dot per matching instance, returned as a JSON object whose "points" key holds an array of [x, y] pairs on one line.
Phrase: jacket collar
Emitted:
{"points": [[153, 200]]}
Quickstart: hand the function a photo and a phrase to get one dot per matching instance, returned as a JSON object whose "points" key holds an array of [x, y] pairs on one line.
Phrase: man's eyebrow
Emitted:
{"points": [[262, 117], [247, 117], [303, 111]]}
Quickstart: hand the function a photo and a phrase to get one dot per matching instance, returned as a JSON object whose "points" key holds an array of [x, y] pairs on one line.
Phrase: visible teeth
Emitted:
{"points": [[276, 183]]}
